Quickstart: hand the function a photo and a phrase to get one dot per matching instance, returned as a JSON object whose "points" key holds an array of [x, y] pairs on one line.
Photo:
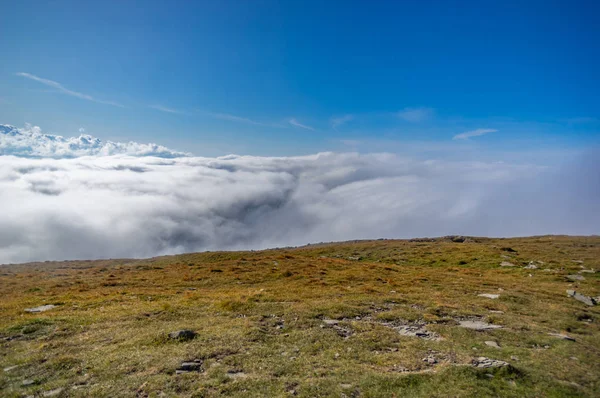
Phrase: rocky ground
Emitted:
{"points": [[452, 316]]}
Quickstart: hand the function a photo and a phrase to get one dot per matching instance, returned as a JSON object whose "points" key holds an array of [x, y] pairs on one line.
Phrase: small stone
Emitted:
{"points": [[492, 344], [587, 271], [496, 312], [354, 258], [345, 386], [28, 382], [488, 295], [8, 369], [507, 264], [514, 358], [562, 336], [337, 355], [184, 334], [41, 308], [575, 277], [478, 325], [330, 322]]}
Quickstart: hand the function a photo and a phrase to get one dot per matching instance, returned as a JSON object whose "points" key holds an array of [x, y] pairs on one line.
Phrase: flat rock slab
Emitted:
{"points": [[575, 277], [478, 325], [41, 308], [562, 336], [416, 331], [507, 264], [483, 362], [492, 344], [580, 297], [488, 295]]}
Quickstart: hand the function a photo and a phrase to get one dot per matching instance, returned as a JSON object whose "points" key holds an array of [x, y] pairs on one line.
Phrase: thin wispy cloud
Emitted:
{"points": [[165, 109], [581, 120], [62, 89], [415, 115], [473, 133], [296, 123], [338, 121], [234, 118]]}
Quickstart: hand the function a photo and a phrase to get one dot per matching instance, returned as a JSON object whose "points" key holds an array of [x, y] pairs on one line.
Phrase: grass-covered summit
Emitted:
{"points": [[427, 317]]}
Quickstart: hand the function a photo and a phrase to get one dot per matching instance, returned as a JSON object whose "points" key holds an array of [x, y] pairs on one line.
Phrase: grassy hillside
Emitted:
{"points": [[370, 319]]}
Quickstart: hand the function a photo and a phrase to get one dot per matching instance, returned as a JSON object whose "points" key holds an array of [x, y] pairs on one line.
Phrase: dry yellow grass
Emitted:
{"points": [[260, 330]]}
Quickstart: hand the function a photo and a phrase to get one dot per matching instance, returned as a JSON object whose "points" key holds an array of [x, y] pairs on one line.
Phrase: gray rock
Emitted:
{"points": [[587, 271], [485, 363], [330, 322], [562, 336], [580, 297], [430, 359], [28, 382], [575, 277], [184, 334], [354, 258], [478, 325], [9, 368], [492, 344], [415, 331], [507, 264], [488, 295], [53, 393], [531, 265], [41, 308], [195, 366]]}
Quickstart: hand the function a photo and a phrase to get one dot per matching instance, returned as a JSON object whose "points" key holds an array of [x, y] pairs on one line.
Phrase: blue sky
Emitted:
{"points": [[297, 77]]}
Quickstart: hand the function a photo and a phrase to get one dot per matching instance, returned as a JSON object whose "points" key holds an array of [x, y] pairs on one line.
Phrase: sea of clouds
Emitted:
{"points": [[67, 199]]}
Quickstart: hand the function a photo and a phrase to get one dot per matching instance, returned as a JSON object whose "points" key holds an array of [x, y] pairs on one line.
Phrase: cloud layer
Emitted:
{"points": [[31, 142], [123, 206]]}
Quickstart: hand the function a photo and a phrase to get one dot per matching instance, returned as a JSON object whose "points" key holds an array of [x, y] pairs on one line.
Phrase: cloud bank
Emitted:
{"points": [[31, 142], [124, 206]]}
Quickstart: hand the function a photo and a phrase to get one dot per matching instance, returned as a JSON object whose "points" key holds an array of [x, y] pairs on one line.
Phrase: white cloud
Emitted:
{"points": [[296, 123], [32, 142], [165, 109], [415, 115], [123, 206], [338, 121], [62, 89], [473, 133]]}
